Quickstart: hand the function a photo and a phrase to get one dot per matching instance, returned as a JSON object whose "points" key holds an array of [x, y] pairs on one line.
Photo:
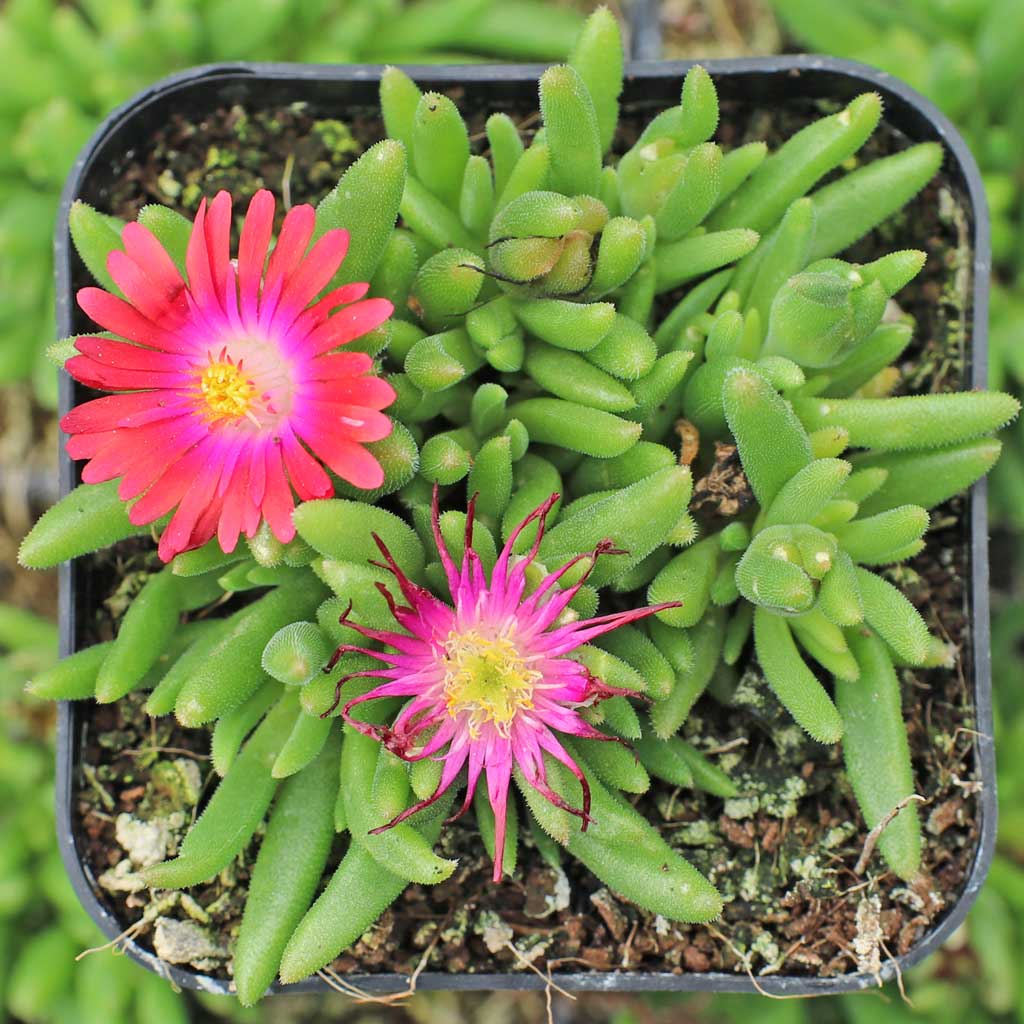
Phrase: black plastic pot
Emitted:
{"points": [[650, 86]]}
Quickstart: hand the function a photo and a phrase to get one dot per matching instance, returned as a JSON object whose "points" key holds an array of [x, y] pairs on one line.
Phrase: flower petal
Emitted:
{"points": [[311, 276], [346, 325], [119, 317], [252, 252], [351, 461]]}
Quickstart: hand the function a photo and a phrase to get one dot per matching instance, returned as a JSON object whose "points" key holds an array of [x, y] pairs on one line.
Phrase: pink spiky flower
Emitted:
{"points": [[489, 680], [227, 383]]}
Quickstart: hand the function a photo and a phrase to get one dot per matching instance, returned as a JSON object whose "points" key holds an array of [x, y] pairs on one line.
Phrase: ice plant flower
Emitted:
{"points": [[489, 680], [230, 398]]}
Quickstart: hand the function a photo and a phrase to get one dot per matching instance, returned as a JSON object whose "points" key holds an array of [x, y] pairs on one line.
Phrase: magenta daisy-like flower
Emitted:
{"points": [[489, 680], [230, 397]]}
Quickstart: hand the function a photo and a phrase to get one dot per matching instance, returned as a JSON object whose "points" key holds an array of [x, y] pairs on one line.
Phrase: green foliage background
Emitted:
{"points": [[63, 66]]}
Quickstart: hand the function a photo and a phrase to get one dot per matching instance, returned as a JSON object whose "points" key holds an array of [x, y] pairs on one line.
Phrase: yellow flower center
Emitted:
{"points": [[228, 392], [487, 677]]}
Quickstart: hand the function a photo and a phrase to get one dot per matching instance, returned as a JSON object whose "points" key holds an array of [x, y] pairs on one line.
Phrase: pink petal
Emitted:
{"points": [[337, 366], [252, 252], [110, 378], [152, 259], [369, 392], [151, 301], [116, 315], [125, 356], [498, 777], [318, 312], [151, 450], [235, 496], [85, 446], [104, 413], [278, 503], [306, 474], [348, 421], [349, 460], [296, 232], [352, 322], [313, 273], [194, 503], [169, 489], [218, 247], [197, 264]]}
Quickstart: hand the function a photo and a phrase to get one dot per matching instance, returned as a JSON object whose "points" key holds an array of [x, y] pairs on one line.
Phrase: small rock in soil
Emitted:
{"points": [[547, 891], [611, 913], [122, 878], [867, 942], [145, 842], [185, 942]]}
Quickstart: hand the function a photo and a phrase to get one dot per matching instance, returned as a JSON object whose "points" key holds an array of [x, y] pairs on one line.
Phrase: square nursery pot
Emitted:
{"points": [[775, 84]]}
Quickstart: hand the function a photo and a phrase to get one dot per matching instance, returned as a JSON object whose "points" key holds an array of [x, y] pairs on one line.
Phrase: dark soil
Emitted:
{"points": [[783, 853]]}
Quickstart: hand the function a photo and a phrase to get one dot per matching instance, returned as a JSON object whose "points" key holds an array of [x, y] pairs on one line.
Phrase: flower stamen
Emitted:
{"points": [[227, 392], [488, 678]]}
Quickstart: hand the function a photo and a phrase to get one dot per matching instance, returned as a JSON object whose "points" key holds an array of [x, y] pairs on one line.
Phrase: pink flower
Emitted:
{"points": [[226, 384], [488, 679]]}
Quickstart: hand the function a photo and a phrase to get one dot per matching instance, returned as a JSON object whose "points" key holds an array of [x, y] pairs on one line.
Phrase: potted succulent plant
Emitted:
{"points": [[601, 517]]}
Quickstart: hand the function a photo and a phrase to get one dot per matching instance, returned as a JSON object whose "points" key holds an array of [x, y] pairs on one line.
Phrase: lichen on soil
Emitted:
{"points": [[782, 853]]}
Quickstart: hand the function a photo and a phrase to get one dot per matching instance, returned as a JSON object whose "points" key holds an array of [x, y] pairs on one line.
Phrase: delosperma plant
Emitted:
{"points": [[470, 570]]}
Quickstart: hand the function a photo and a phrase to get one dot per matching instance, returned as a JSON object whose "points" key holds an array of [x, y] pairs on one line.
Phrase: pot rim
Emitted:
{"points": [[906, 109]]}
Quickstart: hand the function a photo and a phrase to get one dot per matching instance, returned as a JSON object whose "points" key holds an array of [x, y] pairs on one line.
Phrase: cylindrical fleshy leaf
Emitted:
{"points": [[792, 681], [569, 376], [536, 215], [399, 98], [296, 653], [637, 518], [807, 492], [571, 325], [773, 445], [572, 131], [875, 353], [693, 196], [576, 427], [343, 530], [597, 57], [622, 247], [289, 865], [926, 478], [394, 275], [852, 205], [440, 147], [491, 478], [91, 517], [687, 579], [789, 172], [644, 459], [625, 350], [876, 752], [235, 810], [365, 203], [870, 540], [439, 361], [682, 261], [506, 148], [699, 103], [446, 287], [894, 618], [476, 201], [913, 422]]}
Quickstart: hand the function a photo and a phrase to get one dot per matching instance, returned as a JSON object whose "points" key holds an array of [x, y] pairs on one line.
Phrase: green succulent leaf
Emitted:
{"points": [[365, 202], [793, 682], [876, 752]]}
